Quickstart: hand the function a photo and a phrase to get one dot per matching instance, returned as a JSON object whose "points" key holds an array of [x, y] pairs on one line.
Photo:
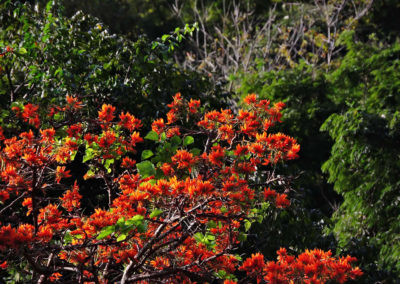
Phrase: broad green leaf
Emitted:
{"points": [[146, 169], [108, 164], [247, 225], [176, 140], [89, 154], [188, 140], [156, 212], [195, 151], [199, 237], [242, 237], [147, 154], [67, 238], [152, 135], [106, 231], [22, 50], [121, 237], [135, 220]]}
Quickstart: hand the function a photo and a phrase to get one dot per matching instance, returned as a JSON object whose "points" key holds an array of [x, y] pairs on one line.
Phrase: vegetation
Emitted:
{"points": [[333, 63]]}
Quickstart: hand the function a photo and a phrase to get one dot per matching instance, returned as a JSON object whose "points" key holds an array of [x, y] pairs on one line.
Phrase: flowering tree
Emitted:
{"points": [[176, 216]]}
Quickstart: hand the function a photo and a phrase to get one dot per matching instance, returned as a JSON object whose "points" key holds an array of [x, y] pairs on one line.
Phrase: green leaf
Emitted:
{"points": [[146, 169], [106, 231], [90, 173], [156, 212], [176, 140], [147, 154], [108, 163], [242, 237], [188, 140], [22, 50], [135, 220], [247, 225], [211, 224], [152, 135], [165, 37], [89, 154], [121, 237], [67, 238], [210, 237], [222, 274], [199, 237], [195, 151]]}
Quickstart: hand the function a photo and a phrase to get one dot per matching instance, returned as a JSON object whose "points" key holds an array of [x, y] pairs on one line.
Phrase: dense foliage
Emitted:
{"points": [[54, 55]]}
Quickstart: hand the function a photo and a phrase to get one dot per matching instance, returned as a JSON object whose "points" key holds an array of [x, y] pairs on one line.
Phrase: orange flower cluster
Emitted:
{"points": [[312, 266], [175, 216]]}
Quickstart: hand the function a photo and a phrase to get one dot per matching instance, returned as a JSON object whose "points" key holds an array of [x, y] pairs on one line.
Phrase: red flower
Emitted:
{"points": [[174, 131], [269, 193], [75, 130], [71, 198], [4, 265], [107, 113], [128, 163], [183, 159], [158, 126], [107, 139], [135, 138], [30, 115], [251, 99], [129, 121], [73, 103], [61, 173], [281, 201], [194, 105]]}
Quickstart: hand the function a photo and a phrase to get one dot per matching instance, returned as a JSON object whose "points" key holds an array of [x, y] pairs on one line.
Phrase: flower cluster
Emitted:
{"points": [[175, 212]]}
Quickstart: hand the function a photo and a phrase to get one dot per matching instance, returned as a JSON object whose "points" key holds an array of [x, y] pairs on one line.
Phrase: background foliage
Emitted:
{"points": [[334, 63]]}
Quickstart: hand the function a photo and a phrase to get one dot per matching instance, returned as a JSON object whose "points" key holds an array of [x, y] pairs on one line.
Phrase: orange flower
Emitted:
{"points": [[30, 115], [171, 117], [135, 138], [281, 201], [158, 126], [28, 204], [48, 135], [75, 130], [251, 99], [128, 163], [241, 150], [216, 155], [194, 105], [55, 276], [90, 138], [62, 173], [106, 114], [107, 139], [167, 169], [71, 199], [253, 264], [4, 265], [174, 131], [160, 263], [226, 132], [73, 103], [269, 193], [183, 159], [129, 121]]}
